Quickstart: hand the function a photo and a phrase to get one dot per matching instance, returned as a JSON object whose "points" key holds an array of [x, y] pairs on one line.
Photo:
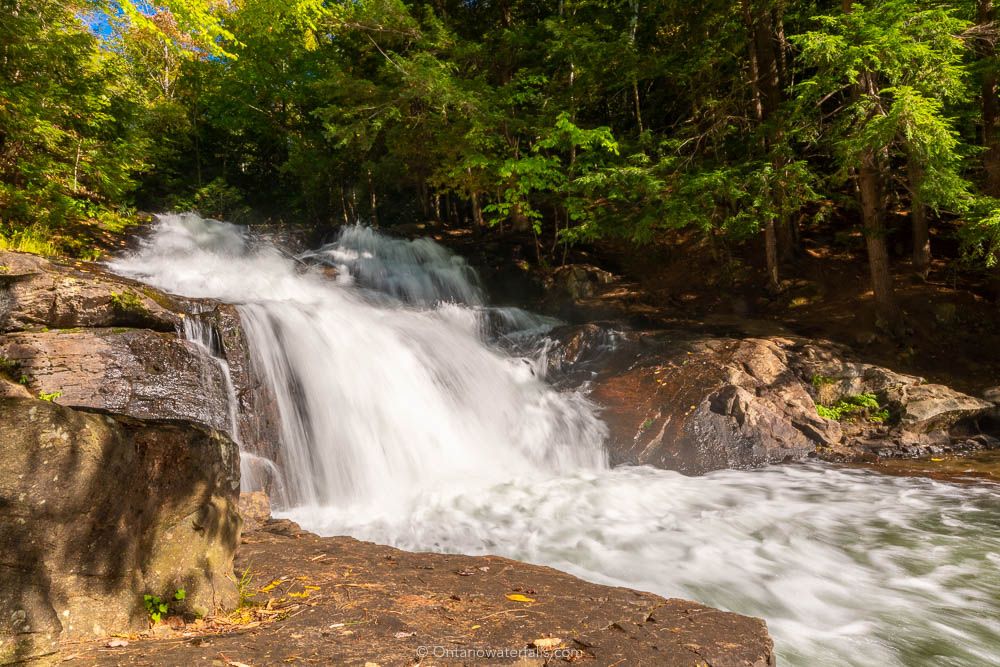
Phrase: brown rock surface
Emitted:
{"points": [[135, 372], [337, 601], [695, 403], [98, 511], [36, 292]]}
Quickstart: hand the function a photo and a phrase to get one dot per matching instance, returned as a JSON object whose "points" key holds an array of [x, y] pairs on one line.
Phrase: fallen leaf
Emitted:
{"points": [[476, 627], [546, 644], [271, 586], [404, 635], [297, 636], [517, 597]]}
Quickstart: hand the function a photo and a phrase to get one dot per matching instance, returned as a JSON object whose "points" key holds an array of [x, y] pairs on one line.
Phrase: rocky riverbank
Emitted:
{"points": [[337, 601]]}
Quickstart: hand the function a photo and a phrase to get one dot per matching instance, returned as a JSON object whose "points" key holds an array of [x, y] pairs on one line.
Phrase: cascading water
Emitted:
{"points": [[405, 422]]}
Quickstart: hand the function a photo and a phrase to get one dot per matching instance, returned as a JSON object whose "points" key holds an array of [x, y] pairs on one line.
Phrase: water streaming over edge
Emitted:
{"points": [[405, 423]]}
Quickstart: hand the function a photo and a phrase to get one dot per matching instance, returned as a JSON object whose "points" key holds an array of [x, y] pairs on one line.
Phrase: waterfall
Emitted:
{"points": [[417, 415], [377, 354]]}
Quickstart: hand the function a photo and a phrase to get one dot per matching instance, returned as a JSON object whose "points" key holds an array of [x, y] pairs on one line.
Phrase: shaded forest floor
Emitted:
{"points": [[951, 320]]}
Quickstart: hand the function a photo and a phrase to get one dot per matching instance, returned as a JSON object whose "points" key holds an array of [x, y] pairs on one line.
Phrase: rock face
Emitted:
{"points": [[124, 483], [35, 292], [104, 342], [701, 403], [98, 511], [355, 603], [134, 372], [257, 407]]}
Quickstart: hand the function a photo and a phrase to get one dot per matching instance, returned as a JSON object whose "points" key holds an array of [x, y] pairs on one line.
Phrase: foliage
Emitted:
{"points": [[127, 302], [157, 607], [11, 369], [571, 122], [864, 406], [50, 397]]}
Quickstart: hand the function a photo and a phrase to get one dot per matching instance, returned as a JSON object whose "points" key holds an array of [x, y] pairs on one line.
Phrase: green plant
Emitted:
{"points": [[33, 239], [246, 589], [11, 369], [823, 380], [157, 608], [127, 302], [49, 397], [852, 407]]}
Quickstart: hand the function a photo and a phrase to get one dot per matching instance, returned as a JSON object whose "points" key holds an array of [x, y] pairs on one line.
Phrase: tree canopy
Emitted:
{"points": [[572, 120]]}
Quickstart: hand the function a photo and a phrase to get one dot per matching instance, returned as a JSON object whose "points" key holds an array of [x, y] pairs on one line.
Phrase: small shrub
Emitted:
{"points": [[11, 370], [32, 239], [49, 397], [127, 302], [823, 381], [246, 589], [157, 608], [864, 406]]}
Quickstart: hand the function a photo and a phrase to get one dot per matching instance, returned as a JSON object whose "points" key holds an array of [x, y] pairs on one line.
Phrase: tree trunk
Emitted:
{"points": [[870, 190], [873, 218], [374, 199], [477, 211], [771, 251], [767, 92], [918, 216], [991, 104]]}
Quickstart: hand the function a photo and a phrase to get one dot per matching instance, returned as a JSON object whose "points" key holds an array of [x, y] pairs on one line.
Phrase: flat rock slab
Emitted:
{"points": [[135, 372], [345, 602], [36, 292]]}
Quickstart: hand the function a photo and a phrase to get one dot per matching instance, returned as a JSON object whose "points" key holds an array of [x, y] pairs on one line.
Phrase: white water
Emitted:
{"points": [[403, 424]]}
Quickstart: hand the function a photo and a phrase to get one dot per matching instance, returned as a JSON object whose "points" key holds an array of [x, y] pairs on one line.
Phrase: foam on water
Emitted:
{"points": [[405, 422]]}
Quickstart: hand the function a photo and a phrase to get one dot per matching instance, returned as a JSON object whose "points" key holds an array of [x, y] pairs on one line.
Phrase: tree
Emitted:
{"points": [[882, 73]]}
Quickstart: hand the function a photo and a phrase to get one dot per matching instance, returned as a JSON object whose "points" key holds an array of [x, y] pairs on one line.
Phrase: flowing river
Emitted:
{"points": [[407, 419]]}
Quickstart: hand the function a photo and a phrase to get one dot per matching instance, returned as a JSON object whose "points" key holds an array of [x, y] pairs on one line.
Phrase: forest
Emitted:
{"points": [[749, 124]]}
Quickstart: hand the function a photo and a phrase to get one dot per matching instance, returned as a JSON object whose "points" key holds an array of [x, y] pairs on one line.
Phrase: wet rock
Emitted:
{"points": [[259, 420], [992, 395], [99, 510], [134, 372], [928, 407], [353, 603], [255, 508], [579, 281], [702, 405], [36, 293], [695, 403]]}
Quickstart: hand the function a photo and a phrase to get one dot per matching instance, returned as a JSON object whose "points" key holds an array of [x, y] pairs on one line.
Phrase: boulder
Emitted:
{"points": [[99, 510], [924, 408], [695, 402], [134, 372], [992, 395], [697, 406], [39, 293], [579, 281]]}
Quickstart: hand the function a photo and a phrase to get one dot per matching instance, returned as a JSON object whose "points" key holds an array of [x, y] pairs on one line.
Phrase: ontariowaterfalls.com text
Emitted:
{"points": [[496, 653]]}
